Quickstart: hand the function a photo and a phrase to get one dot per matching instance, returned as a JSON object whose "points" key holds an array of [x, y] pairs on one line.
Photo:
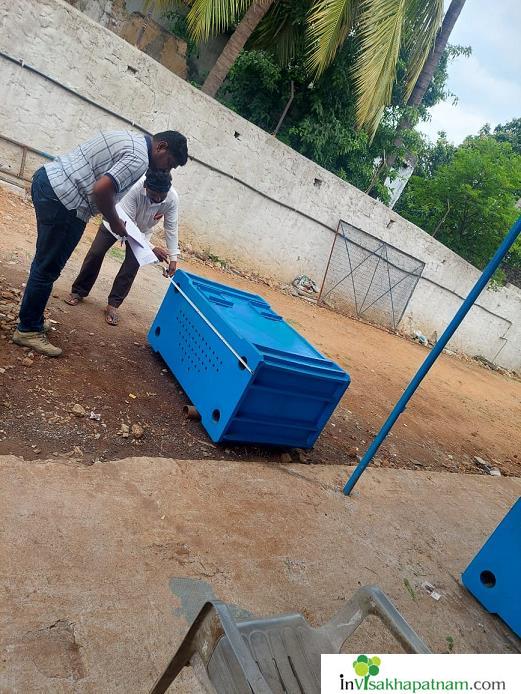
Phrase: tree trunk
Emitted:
{"points": [[235, 45], [426, 75], [432, 61], [286, 109]]}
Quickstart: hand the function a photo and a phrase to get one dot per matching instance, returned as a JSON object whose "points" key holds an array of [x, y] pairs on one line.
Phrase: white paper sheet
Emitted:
{"points": [[144, 254], [135, 238], [131, 227]]}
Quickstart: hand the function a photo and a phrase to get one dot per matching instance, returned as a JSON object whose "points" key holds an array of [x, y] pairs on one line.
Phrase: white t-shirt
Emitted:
{"points": [[146, 214]]}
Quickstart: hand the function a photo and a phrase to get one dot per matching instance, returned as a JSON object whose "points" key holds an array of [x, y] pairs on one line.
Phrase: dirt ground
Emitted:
{"points": [[461, 411], [111, 544]]}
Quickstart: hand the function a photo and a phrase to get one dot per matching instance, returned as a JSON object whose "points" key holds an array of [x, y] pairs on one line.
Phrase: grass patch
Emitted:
{"points": [[410, 589], [118, 253]]}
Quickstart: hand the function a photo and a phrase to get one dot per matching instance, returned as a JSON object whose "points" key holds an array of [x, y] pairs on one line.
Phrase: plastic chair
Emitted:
{"points": [[275, 655]]}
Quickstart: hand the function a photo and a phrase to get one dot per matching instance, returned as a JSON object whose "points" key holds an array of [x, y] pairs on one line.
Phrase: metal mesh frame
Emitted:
{"points": [[369, 277]]}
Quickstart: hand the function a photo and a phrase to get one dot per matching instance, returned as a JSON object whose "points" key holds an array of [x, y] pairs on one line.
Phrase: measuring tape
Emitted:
{"points": [[212, 327]]}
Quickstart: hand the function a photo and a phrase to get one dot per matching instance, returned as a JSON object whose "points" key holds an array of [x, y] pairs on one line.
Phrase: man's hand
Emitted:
{"points": [[118, 227], [161, 253], [169, 272]]}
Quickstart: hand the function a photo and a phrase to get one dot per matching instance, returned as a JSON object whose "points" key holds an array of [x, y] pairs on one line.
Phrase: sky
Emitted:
{"points": [[488, 84]]}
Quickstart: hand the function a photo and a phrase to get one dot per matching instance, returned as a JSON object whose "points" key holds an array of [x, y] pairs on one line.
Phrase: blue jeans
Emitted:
{"points": [[59, 231]]}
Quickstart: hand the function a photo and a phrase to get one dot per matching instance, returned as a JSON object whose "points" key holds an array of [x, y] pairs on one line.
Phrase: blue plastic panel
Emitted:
{"points": [[494, 575], [293, 389]]}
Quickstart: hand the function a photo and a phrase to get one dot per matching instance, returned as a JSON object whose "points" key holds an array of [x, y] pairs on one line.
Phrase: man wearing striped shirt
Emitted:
{"points": [[70, 190], [149, 200]]}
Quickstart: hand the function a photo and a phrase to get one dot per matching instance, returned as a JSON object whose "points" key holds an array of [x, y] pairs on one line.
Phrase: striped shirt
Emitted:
{"points": [[146, 214], [122, 155]]}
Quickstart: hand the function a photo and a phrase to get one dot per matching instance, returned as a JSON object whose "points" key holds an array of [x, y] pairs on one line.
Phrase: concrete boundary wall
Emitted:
{"points": [[248, 198]]}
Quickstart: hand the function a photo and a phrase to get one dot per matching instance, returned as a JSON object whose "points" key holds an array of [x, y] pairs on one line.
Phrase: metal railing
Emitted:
{"points": [[20, 174]]}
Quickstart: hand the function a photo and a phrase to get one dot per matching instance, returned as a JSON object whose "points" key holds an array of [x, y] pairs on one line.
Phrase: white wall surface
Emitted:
{"points": [[218, 212]]}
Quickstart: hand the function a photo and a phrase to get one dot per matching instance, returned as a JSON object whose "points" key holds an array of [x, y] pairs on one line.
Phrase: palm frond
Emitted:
{"points": [[329, 24], [282, 31], [423, 19], [380, 29], [210, 17]]}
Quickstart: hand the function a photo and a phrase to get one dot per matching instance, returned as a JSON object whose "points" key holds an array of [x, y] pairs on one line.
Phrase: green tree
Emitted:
{"points": [[432, 157], [511, 133], [415, 97], [470, 202], [382, 30], [321, 123]]}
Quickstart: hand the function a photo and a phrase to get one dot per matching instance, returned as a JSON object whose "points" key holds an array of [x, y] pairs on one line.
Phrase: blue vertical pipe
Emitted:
{"points": [[434, 354]]}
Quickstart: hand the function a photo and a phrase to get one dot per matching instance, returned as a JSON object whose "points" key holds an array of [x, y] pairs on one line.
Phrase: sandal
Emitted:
{"points": [[73, 299], [111, 316]]}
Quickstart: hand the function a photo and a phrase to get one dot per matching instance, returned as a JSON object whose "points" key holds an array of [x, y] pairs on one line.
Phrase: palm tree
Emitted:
{"points": [[427, 73], [432, 62], [208, 18], [382, 28], [201, 28]]}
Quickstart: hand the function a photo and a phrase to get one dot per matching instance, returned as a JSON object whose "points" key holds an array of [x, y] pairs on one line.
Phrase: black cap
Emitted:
{"points": [[158, 181]]}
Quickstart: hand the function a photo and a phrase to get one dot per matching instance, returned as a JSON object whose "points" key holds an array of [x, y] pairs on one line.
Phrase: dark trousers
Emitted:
{"points": [[92, 265], [59, 231]]}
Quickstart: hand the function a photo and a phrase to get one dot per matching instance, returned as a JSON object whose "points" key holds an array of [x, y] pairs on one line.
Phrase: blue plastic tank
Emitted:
{"points": [[252, 377], [494, 575]]}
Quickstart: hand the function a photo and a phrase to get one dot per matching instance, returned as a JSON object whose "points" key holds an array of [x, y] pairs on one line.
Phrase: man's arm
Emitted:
{"points": [[105, 198], [130, 202], [171, 224], [119, 178]]}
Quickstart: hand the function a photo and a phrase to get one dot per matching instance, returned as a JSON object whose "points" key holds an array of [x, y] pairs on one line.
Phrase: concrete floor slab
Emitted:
{"points": [[102, 565]]}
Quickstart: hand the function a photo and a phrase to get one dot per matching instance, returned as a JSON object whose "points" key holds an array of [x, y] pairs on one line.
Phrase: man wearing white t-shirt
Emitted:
{"points": [[149, 200]]}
